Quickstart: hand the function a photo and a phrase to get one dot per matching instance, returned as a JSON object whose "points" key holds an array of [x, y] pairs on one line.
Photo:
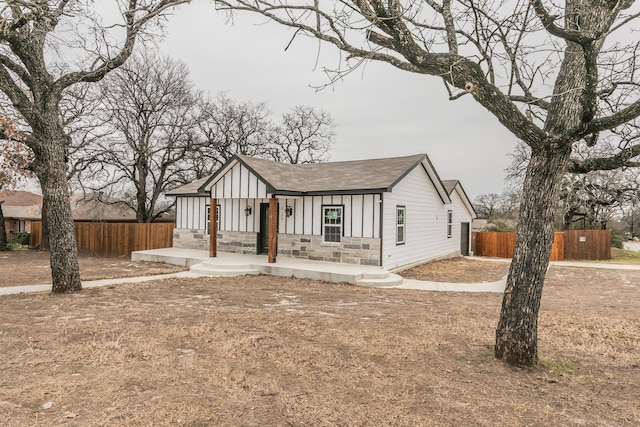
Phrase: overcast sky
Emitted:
{"points": [[380, 111]]}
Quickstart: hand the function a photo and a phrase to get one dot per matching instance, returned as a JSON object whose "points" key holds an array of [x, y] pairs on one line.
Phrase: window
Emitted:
{"points": [[332, 223], [209, 217], [449, 223], [206, 225], [400, 224]]}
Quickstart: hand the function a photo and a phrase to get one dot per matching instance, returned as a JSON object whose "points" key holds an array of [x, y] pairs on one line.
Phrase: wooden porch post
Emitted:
{"points": [[213, 229], [273, 230]]}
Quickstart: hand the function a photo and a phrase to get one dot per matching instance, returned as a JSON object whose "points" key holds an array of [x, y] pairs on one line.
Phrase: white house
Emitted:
{"points": [[385, 212]]}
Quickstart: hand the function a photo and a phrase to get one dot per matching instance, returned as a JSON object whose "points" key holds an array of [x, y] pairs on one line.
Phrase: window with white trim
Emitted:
{"points": [[449, 223], [332, 223], [400, 224]]}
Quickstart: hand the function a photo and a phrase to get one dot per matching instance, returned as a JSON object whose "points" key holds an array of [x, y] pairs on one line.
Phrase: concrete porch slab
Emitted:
{"points": [[227, 264]]}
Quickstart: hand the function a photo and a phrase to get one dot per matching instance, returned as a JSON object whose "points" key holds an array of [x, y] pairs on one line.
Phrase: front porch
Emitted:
{"points": [[232, 264]]}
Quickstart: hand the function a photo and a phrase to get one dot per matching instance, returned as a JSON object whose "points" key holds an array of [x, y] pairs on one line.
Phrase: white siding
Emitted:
{"points": [[426, 222], [368, 228], [460, 215], [316, 215], [238, 183], [234, 218], [191, 212]]}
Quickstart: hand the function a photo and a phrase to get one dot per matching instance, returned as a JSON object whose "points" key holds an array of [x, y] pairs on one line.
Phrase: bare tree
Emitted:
{"points": [[552, 74], [592, 189], [487, 205], [149, 115], [230, 127], [47, 47], [594, 198], [303, 136]]}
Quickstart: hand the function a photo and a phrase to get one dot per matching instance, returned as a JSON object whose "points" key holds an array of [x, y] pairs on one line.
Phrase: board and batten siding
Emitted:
{"points": [[361, 214], [425, 222], [238, 183], [191, 212]]}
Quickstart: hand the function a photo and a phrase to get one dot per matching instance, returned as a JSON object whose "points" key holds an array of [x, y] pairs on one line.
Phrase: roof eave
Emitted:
{"points": [[198, 194], [330, 192], [466, 200]]}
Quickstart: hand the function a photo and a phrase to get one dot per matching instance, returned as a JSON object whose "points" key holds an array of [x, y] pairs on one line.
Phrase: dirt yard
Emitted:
{"points": [[458, 270], [18, 268], [265, 351]]}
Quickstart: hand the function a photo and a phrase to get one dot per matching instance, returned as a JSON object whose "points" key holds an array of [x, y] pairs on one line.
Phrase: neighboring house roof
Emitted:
{"points": [[190, 189], [83, 208], [22, 212], [89, 208], [20, 205], [19, 198], [363, 176]]}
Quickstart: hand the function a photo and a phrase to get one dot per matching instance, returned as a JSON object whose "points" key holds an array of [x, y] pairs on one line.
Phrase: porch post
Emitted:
{"points": [[213, 229], [273, 230]]}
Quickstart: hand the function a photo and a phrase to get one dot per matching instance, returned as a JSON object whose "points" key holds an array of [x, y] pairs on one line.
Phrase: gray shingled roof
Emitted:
{"points": [[450, 185], [190, 188], [374, 174]]}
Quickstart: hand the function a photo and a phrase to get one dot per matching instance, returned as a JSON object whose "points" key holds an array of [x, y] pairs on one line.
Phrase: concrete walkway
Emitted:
{"points": [[12, 290], [323, 268], [453, 287]]}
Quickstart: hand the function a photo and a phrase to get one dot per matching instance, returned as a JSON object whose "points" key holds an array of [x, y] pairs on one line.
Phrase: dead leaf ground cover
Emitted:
{"points": [[257, 351]]}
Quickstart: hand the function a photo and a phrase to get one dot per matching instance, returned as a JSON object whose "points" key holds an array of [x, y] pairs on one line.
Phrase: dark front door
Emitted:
{"points": [[464, 239], [263, 234]]}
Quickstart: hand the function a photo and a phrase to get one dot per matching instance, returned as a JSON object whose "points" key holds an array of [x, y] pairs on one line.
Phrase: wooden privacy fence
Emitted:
{"points": [[571, 244], [114, 239], [587, 244]]}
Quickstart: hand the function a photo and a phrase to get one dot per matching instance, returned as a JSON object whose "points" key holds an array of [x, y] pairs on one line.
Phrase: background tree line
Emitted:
{"points": [[598, 198]]}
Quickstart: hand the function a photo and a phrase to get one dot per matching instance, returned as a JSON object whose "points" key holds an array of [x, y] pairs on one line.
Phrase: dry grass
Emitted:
{"points": [[256, 351], [624, 257], [458, 270], [23, 267]]}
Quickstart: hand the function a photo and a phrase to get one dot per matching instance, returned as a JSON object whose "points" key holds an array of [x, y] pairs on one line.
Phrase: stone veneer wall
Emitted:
{"points": [[240, 242], [228, 241], [186, 238], [350, 250]]}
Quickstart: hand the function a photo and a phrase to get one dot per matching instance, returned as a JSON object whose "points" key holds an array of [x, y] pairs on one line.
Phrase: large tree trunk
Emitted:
{"points": [[56, 213], [517, 331], [572, 107], [3, 231]]}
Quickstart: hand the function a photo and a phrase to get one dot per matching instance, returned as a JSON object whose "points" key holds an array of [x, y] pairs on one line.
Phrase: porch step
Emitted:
{"points": [[382, 274], [380, 282], [223, 270]]}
